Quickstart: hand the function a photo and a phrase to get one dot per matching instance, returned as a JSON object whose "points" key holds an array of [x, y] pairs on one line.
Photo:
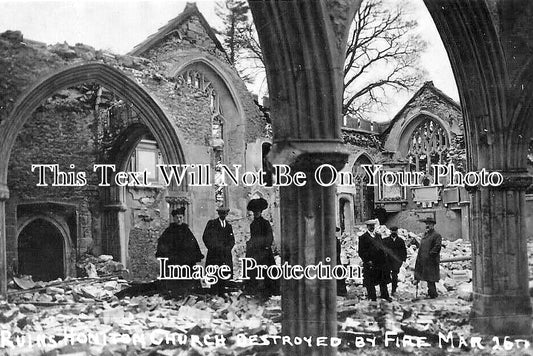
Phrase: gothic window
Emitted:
{"points": [[428, 145], [364, 194], [198, 80], [146, 156]]}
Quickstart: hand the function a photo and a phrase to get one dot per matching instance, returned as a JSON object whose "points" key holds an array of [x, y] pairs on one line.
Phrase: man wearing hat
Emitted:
{"points": [[375, 269], [428, 258], [259, 247], [219, 240], [396, 255], [178, 244]]}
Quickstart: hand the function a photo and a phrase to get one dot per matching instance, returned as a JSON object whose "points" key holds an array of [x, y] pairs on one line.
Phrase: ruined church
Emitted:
{"points": [[174, 99]]}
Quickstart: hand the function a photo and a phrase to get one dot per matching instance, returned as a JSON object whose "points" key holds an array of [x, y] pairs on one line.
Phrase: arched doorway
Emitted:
{"points": [[148, 111], [345, 214], [41, 250]]}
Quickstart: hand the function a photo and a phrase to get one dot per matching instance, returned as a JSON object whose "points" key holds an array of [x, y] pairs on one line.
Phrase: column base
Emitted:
{"points": [[501, 315]]}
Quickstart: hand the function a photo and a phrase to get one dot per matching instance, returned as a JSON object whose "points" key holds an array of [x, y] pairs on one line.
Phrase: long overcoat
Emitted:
{"points": [[178, 244], [428, 258], [396, 252], [219, 242], [375, 267], [259, 247]]}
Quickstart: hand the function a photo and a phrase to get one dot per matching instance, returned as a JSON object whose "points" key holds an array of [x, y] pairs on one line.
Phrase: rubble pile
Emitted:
{"points": [[67, 292], [103, 265], [84, 316], [403, 316], [142, 325]]}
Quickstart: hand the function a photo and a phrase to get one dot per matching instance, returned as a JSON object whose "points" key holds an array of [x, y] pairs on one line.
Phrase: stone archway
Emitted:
{"points": [[303, 43], [228, 140], [490, 47], [150, 112], [41, 242], [481, 38]]}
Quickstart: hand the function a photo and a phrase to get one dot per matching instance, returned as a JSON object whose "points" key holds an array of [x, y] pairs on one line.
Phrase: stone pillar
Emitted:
{"points": [[304, 45], [4, 196], [114, 241], [308, 224], [502, 304]]}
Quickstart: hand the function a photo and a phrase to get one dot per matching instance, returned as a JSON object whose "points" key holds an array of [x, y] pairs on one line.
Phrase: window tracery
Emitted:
{"points": [[428, 145], [198, 80]]}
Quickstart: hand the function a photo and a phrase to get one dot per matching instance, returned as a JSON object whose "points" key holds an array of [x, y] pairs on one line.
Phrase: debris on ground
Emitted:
{"points": [[84, 316], [103, 265]]}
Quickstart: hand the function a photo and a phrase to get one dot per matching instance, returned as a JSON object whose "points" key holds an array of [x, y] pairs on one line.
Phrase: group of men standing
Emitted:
{"points": [[179, 245], [383, 258]]}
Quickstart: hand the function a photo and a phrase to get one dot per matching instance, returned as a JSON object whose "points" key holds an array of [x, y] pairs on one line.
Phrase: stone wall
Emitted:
{"points": [[73, 126], [59, 132]]}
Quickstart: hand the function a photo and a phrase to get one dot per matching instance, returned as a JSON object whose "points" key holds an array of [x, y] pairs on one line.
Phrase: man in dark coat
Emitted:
{"points": [[428, 258], [219, 240], [396, 255], [381, 214], [375, 269], [259, 247], [178, 244]]}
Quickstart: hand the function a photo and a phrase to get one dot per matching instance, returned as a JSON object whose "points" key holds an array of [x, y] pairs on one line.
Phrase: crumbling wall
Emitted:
{"points": [[59, 132], [190, 42], [65, 130]]}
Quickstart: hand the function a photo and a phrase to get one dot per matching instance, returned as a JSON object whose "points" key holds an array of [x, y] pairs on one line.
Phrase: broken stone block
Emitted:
{"points": [[8, 315], [464, 291], [14, 36], [44, 298], [111, 285], [449, 283], [109, 316], [55, 290], [462, 275], [90, 269], [441, 289], [24, 282], [191, 313], [59, 297], [63, 50], [28, 308]]}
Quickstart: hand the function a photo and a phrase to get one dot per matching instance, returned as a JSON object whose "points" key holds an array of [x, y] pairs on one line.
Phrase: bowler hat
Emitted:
{"points": [[223, 209], [370, 222], [258, 204], [393, 228], [178, 211], [429, 220]]}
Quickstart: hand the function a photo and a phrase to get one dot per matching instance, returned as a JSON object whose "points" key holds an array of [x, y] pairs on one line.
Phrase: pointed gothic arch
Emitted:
{"points": [[151, 114], [228, 140]]}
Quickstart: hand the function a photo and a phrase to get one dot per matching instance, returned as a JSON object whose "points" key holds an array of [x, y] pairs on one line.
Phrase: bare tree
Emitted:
{"points": [[234, 16], [251, 65], [382, 55]]}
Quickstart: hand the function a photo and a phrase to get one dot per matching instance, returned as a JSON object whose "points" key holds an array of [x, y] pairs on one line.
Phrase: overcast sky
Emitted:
{"points": [[119, 25]]}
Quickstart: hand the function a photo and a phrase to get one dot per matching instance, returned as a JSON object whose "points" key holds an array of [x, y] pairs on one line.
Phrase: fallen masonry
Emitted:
{"points": [[83, 316]]}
